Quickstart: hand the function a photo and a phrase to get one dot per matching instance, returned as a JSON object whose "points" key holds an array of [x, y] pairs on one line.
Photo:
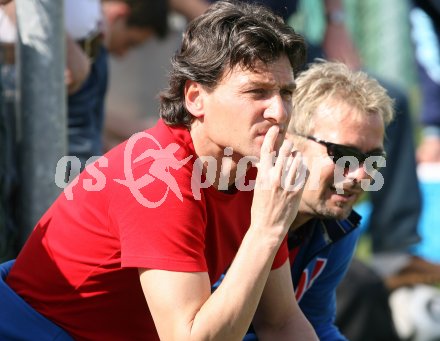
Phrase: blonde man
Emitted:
{"points": [[338, 125]]}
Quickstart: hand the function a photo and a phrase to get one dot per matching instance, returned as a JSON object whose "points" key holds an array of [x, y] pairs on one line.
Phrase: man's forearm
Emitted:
{"points": [[279, 316], [183, 307], [77, 65], [297, 328], [235, 301]]}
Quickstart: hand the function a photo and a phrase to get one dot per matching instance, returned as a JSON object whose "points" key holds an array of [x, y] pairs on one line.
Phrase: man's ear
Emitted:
{"points": [[116, 10], [194, 98]]}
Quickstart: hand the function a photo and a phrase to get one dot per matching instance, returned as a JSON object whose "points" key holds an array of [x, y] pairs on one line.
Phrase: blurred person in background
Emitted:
{"points": [[92, 29], [425, 20], [121, 26]]}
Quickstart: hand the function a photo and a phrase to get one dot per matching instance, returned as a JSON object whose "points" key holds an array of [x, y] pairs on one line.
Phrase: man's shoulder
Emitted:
{"points": [[159, 141]]}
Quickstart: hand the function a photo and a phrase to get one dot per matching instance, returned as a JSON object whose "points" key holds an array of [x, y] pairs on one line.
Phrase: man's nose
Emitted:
{"points": [[358, 173], [277, 110]]}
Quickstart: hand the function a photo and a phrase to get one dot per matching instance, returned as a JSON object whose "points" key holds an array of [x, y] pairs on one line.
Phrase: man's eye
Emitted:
{"points": [[258, 91], [286, 94]]}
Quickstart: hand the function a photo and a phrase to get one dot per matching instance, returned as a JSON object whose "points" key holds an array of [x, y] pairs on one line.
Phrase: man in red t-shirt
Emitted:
{"points": [[132, 247]]}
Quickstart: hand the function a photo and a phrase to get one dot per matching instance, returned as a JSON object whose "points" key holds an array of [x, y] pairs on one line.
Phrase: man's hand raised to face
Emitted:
{"points": [[278, 187]]}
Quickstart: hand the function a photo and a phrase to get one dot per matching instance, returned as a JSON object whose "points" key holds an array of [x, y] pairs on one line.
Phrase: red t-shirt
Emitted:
{"points": [[79, 266]]}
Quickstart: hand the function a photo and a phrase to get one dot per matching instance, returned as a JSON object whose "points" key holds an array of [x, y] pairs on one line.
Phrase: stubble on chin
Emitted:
{"points": [[337, 211]]}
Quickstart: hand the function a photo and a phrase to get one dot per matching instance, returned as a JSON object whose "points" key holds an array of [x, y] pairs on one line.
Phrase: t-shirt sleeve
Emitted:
{"points": [[161, 225]]}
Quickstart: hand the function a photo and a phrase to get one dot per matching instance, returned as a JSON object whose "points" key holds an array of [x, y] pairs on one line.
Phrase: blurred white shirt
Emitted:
{"points": [[8, 32]]}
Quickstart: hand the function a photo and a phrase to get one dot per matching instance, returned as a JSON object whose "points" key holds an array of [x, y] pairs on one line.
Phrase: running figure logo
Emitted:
{"points": [[163, 160]]}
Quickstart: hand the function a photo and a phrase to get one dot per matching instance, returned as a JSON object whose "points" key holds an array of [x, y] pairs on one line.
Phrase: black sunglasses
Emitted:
{"points": [[339, 150]]}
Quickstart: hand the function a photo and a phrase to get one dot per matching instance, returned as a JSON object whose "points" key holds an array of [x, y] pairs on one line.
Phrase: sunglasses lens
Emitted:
{"points": [[339, 151], [351, 154]]}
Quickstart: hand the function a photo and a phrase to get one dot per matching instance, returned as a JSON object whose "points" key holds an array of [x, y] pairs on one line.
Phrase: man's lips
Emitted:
{"points": [[346, 192], [263, 131]]}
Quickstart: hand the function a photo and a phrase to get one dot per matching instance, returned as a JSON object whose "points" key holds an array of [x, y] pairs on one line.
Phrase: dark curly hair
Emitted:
{"points": [[228, 34]]}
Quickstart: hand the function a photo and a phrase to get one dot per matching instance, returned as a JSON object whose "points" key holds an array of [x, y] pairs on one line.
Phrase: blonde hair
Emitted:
{"points": [[324, 81]]}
